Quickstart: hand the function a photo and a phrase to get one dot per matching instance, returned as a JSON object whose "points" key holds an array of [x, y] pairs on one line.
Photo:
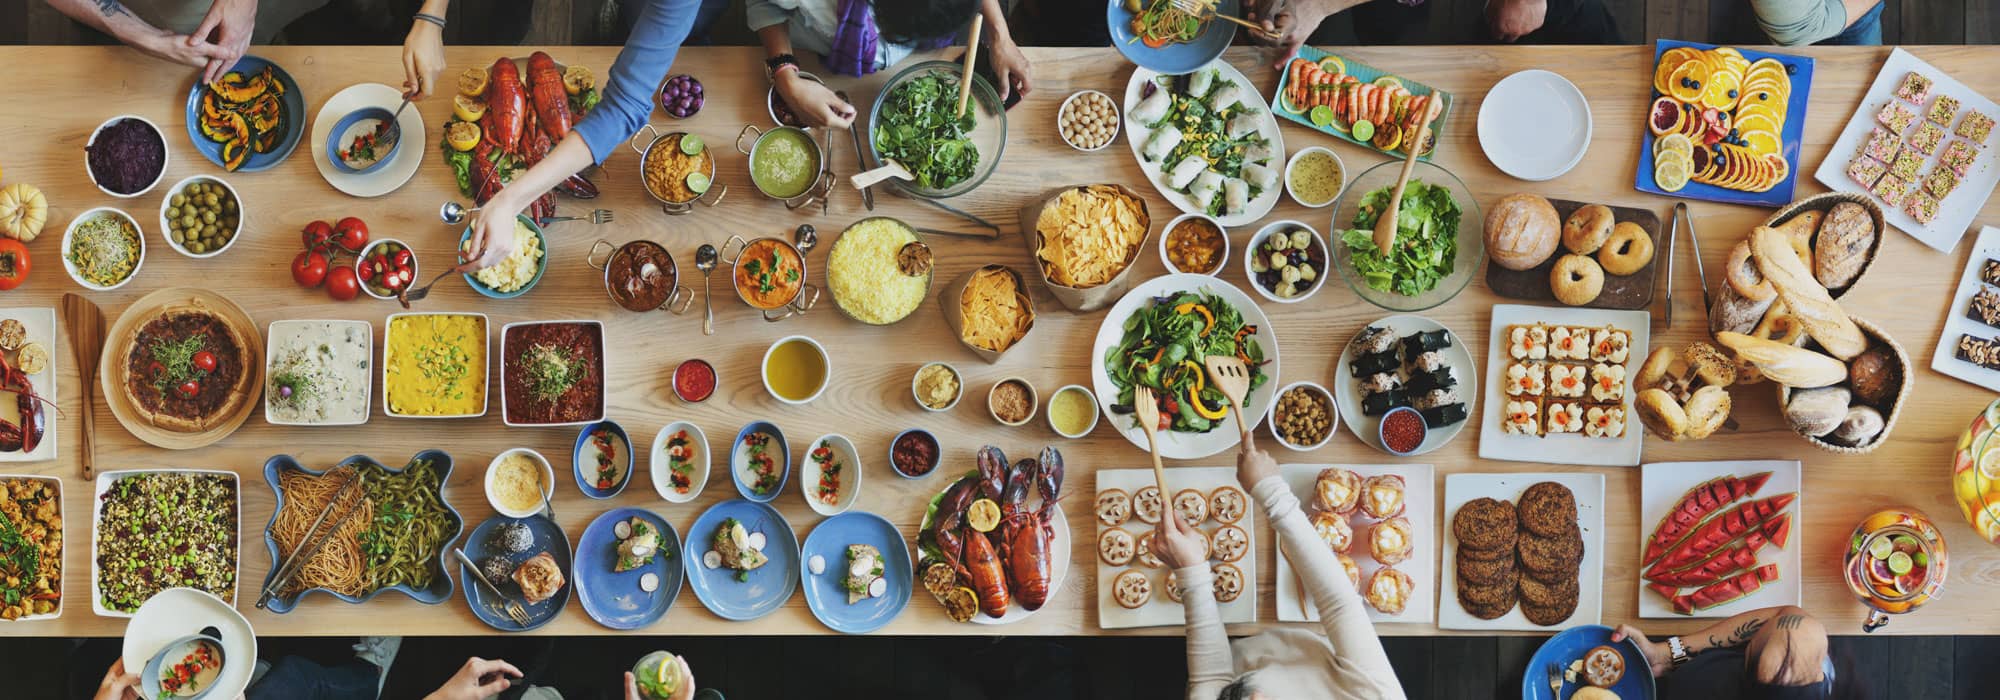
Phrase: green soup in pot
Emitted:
{"points": [[784, 163]]}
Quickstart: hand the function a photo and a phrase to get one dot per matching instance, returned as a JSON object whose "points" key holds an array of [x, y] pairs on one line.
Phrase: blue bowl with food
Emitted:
{"points": [[760, 457], [1155, 35], [264, 99], [357, 144], [517, 274], [420, 545], [186, 668], [602, 459]]}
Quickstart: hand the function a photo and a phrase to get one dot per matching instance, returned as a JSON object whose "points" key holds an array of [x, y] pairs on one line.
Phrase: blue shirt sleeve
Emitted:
{"points": [[641, 65]]}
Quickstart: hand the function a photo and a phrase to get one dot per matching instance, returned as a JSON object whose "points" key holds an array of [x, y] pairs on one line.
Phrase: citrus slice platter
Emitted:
{"points": [[1723, 124], [1358, 103]]}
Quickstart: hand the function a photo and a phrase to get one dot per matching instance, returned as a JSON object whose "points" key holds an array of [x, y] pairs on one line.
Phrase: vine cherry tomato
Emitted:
{"points": [[204, 361], [309, 268], [190, 388], [316, 235], [352, 234], [342, 284]]}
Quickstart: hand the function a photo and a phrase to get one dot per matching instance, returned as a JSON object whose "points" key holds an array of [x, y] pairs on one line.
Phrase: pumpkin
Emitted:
{"points": [[23, 211]]}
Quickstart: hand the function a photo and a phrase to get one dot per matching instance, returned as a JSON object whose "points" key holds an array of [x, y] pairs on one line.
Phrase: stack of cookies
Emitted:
{"points": [[1527, 556]]}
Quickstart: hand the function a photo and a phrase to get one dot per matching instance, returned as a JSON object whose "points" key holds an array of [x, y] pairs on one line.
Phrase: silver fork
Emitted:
{"points": [[1555, 679], [514, 610], [597, 216], [409, 295]]}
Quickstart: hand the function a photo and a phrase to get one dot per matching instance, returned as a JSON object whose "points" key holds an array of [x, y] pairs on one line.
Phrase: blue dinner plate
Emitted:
{"points": [[784, 457], [767, 587], [293, 120], [1172, 59], [541, 265], [824, 594], [586, 473], [549, 538], [440, 588], [614, 599], [1569, 646], [1792, 134]]}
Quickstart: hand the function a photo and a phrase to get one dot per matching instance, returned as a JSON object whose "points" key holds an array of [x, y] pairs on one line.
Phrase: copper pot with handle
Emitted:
{"points": [[672, 140], [769, 274], [640, 276]]}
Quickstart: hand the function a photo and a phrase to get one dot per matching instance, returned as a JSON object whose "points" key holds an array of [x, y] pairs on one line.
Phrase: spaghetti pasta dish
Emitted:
{"points": [[1158, 23], [393, 540]]}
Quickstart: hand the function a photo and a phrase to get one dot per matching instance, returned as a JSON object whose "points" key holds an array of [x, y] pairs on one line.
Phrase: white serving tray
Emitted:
{"points": [[1661, 485], [1944, 357], [1589, 490], [1561, 449], [1419, 506], [61, 511], [104, 482], [367, 373], [41, 323], [1162, 611]]}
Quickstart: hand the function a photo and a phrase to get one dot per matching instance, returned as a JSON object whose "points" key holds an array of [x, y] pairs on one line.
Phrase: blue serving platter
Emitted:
{"points": [[784, 461], [583, 472], [612, 598], [765, 588], [824, 594], [440, 588], [1570, 645], [1792, 133], [293, 120], [549, 538], [1172, 59], [541, 265]]}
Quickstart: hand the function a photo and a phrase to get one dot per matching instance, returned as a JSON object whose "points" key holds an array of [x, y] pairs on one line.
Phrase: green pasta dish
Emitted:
{"points": [[387, 532]]}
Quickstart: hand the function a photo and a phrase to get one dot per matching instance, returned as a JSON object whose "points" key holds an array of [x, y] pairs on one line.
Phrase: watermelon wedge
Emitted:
{"points": [[1740, 555], [1721, 530], [1696, 504], [1665, 591], [1728, 591]]}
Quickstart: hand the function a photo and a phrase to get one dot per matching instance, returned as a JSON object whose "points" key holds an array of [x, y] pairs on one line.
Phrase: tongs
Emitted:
{"points": [[310, 545], [1674, 233]]}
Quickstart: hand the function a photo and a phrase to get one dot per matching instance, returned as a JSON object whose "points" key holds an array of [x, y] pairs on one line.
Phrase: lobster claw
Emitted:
{"points": [[992, 471], [1049, 479]]}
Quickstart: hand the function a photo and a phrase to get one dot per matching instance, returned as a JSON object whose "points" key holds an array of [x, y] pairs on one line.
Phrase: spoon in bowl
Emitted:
{"points": [[704, 260]]}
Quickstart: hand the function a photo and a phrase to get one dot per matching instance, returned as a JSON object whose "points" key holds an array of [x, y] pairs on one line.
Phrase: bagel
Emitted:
{"points": [[1629, 250], [1708, 363], [1661, 414], [1780, 326], [1742, 274], [1587, 228], [1655, 370], [1706, 411], [1576, 280]]}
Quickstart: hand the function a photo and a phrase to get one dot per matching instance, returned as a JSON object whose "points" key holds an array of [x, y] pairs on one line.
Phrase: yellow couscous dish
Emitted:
{"points": [[435, 365]]}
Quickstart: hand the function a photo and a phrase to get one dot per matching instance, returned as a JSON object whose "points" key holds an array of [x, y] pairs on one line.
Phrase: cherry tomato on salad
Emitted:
{"points": [[316, 235], [309, 268], [352, 234], [204, 361], [342, 284]]}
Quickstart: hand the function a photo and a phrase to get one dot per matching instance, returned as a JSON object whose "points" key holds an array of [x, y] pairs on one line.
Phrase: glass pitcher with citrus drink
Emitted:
{"points": [[1895, 563]]}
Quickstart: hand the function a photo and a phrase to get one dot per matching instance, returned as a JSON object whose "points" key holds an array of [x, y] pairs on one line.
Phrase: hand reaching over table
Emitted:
{"points": [[117, 684], [1011, 67], [1289, 23], [227, 27], [423, 59], [478, 678], [813, 101]]}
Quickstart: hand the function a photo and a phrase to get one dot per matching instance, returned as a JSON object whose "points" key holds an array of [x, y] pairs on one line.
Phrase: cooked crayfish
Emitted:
{"points": [[26, 435], [523, 122], [1015, 560]]}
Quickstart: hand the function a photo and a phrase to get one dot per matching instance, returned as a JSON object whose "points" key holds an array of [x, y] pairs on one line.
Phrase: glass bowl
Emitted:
{"points": [[1471, 241], [989, 135]]}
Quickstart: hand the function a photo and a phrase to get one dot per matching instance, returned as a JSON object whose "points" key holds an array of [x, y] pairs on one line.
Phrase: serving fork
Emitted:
{"points": [[597, 216], [514, 610], [1555, 679]]}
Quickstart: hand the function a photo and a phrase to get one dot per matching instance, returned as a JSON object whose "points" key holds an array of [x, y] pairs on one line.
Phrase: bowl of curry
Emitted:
{"points": [[552, 373], [640, 276], [770, 275], [434, 365], [678, 170]]}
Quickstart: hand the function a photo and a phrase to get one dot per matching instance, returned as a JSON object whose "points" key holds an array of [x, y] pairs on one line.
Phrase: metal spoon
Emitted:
{"points": [[454, 213], [704, 260]]}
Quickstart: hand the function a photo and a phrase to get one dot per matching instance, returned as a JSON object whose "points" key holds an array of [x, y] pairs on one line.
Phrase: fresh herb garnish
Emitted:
{"points": [[176, 362], [552, 371]]}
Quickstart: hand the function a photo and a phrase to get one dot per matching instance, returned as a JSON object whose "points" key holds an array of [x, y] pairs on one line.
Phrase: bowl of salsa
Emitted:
{"points": [[914, 453], [1195, 244], [694, 381]]}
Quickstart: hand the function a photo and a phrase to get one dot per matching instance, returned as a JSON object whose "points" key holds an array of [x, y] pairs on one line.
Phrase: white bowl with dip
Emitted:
{"points": [[1034, 401], [698, 462], [849, 489], [1339, 173], [1167, 234], [825, 363], [547, 475], [347, 353], [916, 382], [1089, 404]]}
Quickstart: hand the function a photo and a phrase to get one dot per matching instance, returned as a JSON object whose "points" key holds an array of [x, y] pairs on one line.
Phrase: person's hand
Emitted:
{"points": [[228, 26], [814, 102], [466, 685], [423, 59], [1658, 656], [1289, 26], [176, 48], [684, 692], [1177, 543], [117, 684], [493, 231], [1253, 464], [1509, 20], [1011, 67]]}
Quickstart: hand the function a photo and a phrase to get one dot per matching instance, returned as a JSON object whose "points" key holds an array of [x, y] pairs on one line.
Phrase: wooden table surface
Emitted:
{"points": [[71, 89]]}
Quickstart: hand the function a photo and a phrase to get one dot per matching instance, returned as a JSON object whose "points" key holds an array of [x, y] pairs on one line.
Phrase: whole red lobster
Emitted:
{"points": [[25, 436], [523, 121], [1015, 559]]}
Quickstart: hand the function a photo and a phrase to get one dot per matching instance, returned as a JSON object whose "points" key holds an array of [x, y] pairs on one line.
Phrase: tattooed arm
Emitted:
{"points": [[112, 17], [1730, 633]]}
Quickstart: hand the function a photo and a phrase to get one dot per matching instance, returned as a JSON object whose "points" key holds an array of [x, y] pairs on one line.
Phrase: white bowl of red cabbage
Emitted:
{"points": [[126, 156]]}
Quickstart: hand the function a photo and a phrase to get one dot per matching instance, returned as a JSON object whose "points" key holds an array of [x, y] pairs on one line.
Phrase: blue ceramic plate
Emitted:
{"points": [[549, 538], [824, 594], [766, 588], [1172, 59], [1571, 645], [614, 599], [1791, 134], [541, 265], [784, 458], [583, 465], [338, 138], [292, 104], [440, 588]]}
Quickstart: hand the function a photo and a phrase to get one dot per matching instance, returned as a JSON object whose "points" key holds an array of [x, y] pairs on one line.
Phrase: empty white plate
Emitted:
{"points": [[1534, 125]]}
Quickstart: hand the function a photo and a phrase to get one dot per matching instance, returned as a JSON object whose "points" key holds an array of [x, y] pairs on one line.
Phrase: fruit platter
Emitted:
{"points": [[1724, 125], [1721, 540], [1358, 103], [507, 117]]}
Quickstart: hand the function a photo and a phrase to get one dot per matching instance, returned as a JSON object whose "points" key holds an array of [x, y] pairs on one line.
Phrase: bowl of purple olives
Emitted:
{"points": [[680, 96]]}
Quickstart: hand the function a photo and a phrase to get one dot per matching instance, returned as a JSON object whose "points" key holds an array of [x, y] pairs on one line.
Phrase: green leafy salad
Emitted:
{"points": [[1426, 246], [919, 129], [1163, 348]]}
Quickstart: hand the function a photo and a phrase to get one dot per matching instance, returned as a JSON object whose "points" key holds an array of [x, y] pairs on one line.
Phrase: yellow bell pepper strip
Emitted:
{"points": [[1201, 407], [1206, 315]]}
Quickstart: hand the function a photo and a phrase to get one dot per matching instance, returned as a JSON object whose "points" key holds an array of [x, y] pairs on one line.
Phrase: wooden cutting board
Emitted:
{"points": [[1634, 291]]}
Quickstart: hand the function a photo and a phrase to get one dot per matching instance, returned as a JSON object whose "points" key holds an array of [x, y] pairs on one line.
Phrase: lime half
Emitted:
{"points": [[1364, 130], [1881, 547], [692, 145], [1899, 563], [697, 183], [1321, 115]]}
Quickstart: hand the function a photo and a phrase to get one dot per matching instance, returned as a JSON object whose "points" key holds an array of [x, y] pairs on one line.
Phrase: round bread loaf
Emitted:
{"points": [[1522, 231]]}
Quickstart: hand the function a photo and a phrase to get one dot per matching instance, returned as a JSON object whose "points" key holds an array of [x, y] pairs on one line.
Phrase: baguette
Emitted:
{"points": [[1798, 368], [1802, 226], [1807, 301]]}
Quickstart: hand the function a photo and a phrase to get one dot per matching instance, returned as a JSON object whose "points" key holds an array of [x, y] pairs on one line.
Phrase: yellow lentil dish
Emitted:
{"points": [[435, 365], [1195, 245], [667, 169]]}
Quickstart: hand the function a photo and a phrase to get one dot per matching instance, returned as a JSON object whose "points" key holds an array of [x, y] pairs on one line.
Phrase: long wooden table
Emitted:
{"points": [[69, 90]]}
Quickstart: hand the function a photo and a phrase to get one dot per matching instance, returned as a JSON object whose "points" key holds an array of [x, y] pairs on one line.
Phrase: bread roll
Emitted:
{"points": [[1735, 313], [1522, 231], [1841, 249], [1802, 226], [1661, 414], [1654, 371], [1794, 367], [1742, 275], [1861, 426], [1709, 364], [1874, 376], [1587, 228], [1817, 412], [1808, 302], [1707, 410]]}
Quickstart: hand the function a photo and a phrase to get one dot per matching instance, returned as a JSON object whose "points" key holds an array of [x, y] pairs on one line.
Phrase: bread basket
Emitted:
{"points": [[1825, 202], [1889, 413]]}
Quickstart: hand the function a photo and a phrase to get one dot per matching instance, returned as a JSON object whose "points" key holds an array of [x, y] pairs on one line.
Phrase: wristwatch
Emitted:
{"points": [[772, 64], [1677, 651]]}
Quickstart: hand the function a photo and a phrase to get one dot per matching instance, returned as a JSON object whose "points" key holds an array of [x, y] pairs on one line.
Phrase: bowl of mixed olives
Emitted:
{"points": [[1286, 261], [201, 216]]}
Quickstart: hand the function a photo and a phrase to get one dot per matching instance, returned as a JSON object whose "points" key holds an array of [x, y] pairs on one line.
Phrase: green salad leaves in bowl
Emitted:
{"points": [[1438, 241], [915, 122]]}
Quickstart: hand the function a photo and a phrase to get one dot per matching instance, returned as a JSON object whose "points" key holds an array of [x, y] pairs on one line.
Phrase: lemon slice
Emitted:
{"points": [[1881, 548], [984, 515], [697, 183], [1989, 464], [1670, 173], [1333, 64], [1674, 143], [691, 145], [961, 604], [1388, 137], [468, 109]]}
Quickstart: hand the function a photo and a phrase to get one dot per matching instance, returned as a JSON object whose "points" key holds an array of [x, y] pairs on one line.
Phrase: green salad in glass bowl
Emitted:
{"points": [[915, 122], [1438, 240]]}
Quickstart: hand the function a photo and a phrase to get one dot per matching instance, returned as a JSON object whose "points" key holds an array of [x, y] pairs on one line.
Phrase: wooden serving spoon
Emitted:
{"points": [[85, 324], [1231, 377], [1148, 413], [971, 57], [1385, 226]]}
